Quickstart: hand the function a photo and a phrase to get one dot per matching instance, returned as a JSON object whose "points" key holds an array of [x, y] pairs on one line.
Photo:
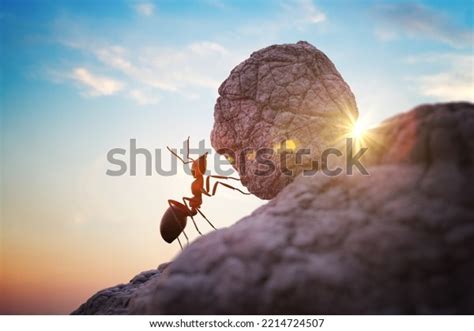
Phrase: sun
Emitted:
{"points": [[359, 129], [363, 132]]}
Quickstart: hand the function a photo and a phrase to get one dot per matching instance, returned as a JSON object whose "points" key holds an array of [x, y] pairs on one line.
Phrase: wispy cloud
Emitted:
{"points": [[170, 69], [121, 59], [207, 48], [454, 79], [144, 98], [145, 8], [418, 21], [95, 85], [448, 86], [303, 12], [294, 15], [312, 14], [148, 72]]}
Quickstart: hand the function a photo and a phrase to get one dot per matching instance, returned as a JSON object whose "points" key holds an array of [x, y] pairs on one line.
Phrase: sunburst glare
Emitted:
{"points": [[359, 128], [361, 131]]}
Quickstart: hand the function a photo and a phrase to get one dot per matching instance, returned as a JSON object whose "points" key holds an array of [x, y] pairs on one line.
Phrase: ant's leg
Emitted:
{"points": [[200, 212], [187, 239], [187, 153], [206, 191], [214, 189], [208, 185], [224, 177], [195, 225], [180, 245], [192, 218]]}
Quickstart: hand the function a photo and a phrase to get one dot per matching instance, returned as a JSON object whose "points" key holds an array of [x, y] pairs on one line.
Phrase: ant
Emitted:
{"points": [[174, 219]]}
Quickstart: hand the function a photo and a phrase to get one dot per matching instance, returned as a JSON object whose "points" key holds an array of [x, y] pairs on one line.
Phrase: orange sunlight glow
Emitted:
{"points": [[360, 131]]}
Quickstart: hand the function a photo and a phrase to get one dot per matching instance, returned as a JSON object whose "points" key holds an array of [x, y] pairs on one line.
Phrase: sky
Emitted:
{"points": [[79, 78]]}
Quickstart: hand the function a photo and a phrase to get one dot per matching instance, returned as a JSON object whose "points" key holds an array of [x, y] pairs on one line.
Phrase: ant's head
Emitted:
{"points": [[199, 166]]}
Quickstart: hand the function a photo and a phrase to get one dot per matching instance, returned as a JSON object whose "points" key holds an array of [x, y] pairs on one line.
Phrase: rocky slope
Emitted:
{"points": [[114, 300], [400, 240]]}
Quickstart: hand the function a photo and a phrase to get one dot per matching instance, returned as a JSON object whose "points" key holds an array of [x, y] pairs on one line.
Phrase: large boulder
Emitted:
{"points": [[400, 240], [287, 95]]}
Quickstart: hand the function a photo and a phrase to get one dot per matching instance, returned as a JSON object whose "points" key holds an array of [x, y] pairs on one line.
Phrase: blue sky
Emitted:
{"points": [[81, 77]]}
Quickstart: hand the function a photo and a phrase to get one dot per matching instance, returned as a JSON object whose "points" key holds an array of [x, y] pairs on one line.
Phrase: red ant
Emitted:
{"points": [[174, 219]]}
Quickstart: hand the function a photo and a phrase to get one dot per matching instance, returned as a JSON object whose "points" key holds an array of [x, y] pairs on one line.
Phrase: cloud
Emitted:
{"points": [[417, 21], [150, 72], [207, 48], [384, 34], [96, 85], [197, 65], [303, 12], [312, 14], [299, 15], [452, 81], [121, 59], [145, 8], [143, 98], [448, 86]]}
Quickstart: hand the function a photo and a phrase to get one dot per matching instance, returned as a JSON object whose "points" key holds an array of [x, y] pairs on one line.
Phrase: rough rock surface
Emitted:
{"points": [[398, 241], [115, 300], [289, 92]]}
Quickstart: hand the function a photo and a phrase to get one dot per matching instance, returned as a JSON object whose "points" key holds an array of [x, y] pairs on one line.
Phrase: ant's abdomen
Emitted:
{"points": [[173, 223]]}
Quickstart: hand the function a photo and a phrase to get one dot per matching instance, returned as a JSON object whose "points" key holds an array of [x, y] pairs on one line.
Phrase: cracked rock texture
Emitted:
{"points": [[282, 93], [115, 300], [398, 241]]}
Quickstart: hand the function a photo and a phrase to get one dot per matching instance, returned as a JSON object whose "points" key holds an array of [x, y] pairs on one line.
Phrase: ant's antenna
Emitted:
{"points": [[187, 153], [179, 157]]}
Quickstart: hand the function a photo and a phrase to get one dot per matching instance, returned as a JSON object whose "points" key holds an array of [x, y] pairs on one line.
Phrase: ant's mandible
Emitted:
{"points": [[174, 219]]}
